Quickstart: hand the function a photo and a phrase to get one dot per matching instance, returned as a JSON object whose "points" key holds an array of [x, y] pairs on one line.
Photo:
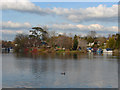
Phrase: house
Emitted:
{"points": [[43, 43], [90, 44]]}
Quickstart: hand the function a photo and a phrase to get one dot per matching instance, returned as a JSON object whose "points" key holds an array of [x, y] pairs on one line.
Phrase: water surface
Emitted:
{"points": [[44, 71]]}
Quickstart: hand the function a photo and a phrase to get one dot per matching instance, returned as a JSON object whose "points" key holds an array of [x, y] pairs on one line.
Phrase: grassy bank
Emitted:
{"points": [[73, 51]]}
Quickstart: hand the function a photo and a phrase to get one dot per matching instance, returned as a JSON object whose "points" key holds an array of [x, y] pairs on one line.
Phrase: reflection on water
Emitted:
{"points": [[44, 70]]}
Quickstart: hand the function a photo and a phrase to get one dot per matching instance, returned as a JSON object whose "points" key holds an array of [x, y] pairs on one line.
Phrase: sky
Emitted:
{"points": [[62, 17]]}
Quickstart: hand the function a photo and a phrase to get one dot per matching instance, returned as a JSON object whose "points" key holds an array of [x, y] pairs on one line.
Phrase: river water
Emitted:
{"points": [[44, 70]]}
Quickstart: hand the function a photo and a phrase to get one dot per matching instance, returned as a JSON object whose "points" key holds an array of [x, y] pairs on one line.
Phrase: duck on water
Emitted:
{"points": [[63, 73]]}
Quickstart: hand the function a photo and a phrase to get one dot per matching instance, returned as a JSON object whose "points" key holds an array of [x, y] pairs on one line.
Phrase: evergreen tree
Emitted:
{"points": [[75, 44]]}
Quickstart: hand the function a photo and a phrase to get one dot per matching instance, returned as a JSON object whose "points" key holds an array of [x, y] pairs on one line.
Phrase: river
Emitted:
{"points": [[44, 70]]}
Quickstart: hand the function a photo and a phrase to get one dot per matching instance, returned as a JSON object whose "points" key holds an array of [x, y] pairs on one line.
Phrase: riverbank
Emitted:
{"points": [[116, 52], [52, 50], [73, 51], [47, 50]]}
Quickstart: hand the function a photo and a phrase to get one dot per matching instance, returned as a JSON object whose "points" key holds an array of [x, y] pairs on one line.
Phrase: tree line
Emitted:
{"points": [[39, 37]]}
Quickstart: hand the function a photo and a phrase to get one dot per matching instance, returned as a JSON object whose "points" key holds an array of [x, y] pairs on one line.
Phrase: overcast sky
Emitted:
{"points": [[66, 17]]}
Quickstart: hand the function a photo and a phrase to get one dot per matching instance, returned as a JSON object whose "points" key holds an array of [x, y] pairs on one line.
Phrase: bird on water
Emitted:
{"points": [[63, 73]]}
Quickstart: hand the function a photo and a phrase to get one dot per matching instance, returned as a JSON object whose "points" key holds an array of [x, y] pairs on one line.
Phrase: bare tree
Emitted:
{"points": [[52, 33], [92, 34], [64, 41], [82, 44]]}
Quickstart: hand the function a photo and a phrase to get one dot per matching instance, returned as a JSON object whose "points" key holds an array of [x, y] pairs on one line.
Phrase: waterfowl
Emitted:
{"points": [[63, 73]]}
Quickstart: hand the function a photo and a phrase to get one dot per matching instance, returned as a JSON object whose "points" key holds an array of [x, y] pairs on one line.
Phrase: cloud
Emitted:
{"points": [[22, 6], [80, 27], [15, 26], [11, 29], [83, 30], [11, 32], [99, 13], [12, 25]]}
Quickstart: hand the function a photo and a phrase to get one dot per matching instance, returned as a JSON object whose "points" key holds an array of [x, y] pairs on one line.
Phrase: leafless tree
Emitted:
{"points": [[92, 34], [82, 43], [64, 41]]}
